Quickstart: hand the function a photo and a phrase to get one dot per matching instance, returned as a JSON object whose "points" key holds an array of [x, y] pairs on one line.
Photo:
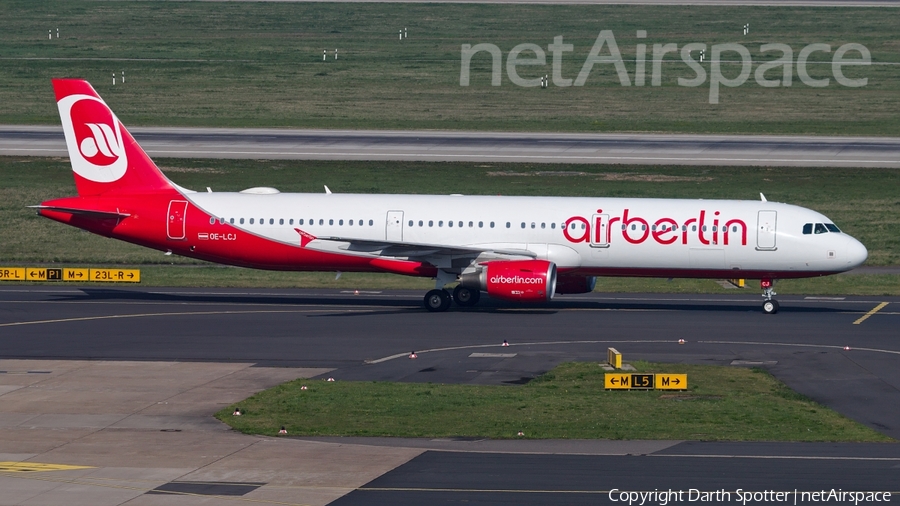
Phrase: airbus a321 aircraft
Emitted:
{"points": [[512, 248]]}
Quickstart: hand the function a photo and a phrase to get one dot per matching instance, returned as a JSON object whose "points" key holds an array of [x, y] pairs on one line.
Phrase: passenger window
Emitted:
{"points": [[471, 224], [242, 221], [523, 224], [281, 221], [420, 223], [508, 224], [441, 223], [694, 228], [820, 229], [492, 224], [371, 223], [251, 221], [291, 221], [480, 224], [231, 221], [272, 221], [543, 225], [430, 223], [450, 223], [734, 228], [410, 223], [532, 224], [832, 227], [321, 221], [212, 221], [553, 225]]}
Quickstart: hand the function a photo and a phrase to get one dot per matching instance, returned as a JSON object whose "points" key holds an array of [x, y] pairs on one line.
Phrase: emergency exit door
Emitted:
{"points": [[393, 230]]}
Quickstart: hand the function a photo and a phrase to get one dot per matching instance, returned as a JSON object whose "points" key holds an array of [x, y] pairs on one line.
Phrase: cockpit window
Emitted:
{"points": [[820, 229], [832, 227], [807, 229]]}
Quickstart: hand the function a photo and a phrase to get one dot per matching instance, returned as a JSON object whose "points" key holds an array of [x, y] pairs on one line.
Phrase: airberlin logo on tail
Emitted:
{"points": [[94, 138]]}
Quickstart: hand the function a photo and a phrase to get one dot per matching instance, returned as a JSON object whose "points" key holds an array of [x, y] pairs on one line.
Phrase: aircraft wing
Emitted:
{"points": [[418, 250]]}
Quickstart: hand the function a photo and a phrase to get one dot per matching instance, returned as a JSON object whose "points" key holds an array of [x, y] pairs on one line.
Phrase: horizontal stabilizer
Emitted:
{"points": [[89, 213]]}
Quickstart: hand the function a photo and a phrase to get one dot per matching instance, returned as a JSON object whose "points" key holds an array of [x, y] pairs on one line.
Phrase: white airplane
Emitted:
{"points": [[512, 248]]}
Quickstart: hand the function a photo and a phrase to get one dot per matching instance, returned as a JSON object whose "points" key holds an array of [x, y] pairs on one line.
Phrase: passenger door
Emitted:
{"points": [[175, 222], [765, 230]]}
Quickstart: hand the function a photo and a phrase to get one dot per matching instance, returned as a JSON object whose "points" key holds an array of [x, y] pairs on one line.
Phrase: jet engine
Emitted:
{"points": [[516, 280]]}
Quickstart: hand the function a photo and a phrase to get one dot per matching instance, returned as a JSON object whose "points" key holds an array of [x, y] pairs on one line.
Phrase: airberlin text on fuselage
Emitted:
{"points": [[705, 229]]}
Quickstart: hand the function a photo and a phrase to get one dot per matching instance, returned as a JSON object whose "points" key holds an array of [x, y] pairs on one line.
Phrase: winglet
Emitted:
{"points": [[305, 237], [762, 197]]}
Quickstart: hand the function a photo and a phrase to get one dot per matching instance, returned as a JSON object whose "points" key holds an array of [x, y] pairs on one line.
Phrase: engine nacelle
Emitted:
{"points": [[575, 284], [517, 280]]}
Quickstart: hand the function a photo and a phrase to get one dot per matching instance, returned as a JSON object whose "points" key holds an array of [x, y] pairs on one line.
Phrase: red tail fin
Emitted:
{"points": [[104, 156]]}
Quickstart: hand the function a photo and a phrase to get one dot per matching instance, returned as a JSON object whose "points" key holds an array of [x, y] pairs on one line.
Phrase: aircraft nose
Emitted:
{"points": [[856, 252]]}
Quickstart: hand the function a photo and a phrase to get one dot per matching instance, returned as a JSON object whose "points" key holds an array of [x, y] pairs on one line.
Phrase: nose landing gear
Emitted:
{"points": [[770, 305]]}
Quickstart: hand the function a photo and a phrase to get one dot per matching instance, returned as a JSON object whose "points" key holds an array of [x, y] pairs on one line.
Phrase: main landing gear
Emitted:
{"points": [[466, 296], [439, 300], [770, 305]]}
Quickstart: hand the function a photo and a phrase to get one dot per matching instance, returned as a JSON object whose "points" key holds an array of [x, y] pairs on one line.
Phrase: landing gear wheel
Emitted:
{"points": [[437, 300], [770, 306], [466, 297]]}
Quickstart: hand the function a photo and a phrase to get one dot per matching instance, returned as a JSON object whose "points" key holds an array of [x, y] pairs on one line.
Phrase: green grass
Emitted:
{"points": [[260, 64], [569, 402]]}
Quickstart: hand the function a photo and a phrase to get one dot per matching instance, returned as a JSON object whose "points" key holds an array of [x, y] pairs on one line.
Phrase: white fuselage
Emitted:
{"points": [[602, 236]]}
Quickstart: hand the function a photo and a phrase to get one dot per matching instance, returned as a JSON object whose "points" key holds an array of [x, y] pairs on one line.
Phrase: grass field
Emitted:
{"points": [[260, 64], [569, 402]]}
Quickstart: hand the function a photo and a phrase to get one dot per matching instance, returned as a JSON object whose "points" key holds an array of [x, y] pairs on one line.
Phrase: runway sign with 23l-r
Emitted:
{"points": [[70, 274]]}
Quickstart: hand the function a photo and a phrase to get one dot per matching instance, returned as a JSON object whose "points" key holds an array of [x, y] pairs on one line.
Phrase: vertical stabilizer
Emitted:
{"points": [[105, 158]]}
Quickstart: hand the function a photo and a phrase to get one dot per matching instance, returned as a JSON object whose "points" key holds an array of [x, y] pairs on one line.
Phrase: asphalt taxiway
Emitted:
{"points": [[840, 351], [484, 147]]}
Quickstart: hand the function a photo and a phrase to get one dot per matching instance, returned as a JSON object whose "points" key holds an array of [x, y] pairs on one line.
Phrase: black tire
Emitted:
{"points": [[437, 301], [770, 306], [466, 297]]}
